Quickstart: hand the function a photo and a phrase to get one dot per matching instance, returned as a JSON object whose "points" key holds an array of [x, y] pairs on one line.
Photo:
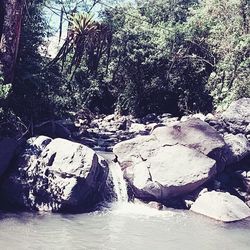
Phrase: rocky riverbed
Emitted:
{"points": [[197, 162]]}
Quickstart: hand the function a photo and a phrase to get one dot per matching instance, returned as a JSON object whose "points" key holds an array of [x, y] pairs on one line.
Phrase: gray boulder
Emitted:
{"points": [[133, 151], [55, 175], [237, 116], [7, 151], [221, 206], [170, 172], [195, 134], [172, 161], [238, 147]]}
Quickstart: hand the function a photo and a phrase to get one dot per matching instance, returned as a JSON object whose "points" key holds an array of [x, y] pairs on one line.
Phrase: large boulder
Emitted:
{"points": [[237, 116], [195, 134], [172, 161], [170, 172], [7, 151], [55, 175], [133, 151], [221, 206]]}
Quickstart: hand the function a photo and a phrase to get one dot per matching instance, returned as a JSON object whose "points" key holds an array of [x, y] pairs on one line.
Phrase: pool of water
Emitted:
{"points": [[123, 226]]}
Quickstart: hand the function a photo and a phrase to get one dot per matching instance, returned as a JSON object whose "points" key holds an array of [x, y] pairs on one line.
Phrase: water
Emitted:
{"points": [[120, 187], [122, 226]]}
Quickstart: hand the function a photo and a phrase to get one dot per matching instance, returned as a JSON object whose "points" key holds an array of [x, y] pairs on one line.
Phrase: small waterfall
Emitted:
{"points": [[119, 203], [120, 187]]}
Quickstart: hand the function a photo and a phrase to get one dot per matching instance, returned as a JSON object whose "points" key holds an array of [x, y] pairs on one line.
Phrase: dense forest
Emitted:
{"points": [[175, 56]]}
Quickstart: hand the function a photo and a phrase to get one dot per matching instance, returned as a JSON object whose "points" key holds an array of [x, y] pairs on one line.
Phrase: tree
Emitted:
{"points": [[86, 40], [38, 93], [152, 67], [222, 29], [10, 34]]}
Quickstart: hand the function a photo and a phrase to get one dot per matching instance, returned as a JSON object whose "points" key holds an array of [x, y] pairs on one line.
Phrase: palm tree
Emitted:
{"points": [[86, 39]]}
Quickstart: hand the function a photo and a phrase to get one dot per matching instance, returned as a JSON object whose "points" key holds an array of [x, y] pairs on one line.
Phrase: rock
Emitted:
{"points": [[151, 126], [204, 190], [137, 128], [199, 116], [209, 117], [152, 204], [94, 123], [247, 182], [109, 118], [172, 161], [83, 118], [7, 151], [167, 118], [248, 202], [155, 205], [185, 118], [218, 124], [245, 177], [135, 150], [172, 171], [171, 121], [248, 129], [188, 203], [122, 125], [237, 116], [164, 115], [38, 143], [54, 129], [56, 175], [195, 134], [221, 206], [238, 147]]}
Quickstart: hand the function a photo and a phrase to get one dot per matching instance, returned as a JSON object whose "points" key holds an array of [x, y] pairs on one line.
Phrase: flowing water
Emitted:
{"points": [[122, 226], [120, 187]]}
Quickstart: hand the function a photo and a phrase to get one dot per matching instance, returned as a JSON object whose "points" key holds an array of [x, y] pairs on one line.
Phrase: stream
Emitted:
{"points": [[122, 226]]}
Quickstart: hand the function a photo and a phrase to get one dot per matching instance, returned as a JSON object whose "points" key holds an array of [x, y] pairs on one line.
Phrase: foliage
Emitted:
{"points": [[222, 27], [38, 93], [86, 39], [4, 88], [150, 56], [152, 67], [10, 124], [4, 92]]}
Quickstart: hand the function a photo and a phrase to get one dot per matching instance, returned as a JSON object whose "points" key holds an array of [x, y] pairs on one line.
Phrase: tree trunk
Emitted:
{"points": [[245, 15], [11, 29]]}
